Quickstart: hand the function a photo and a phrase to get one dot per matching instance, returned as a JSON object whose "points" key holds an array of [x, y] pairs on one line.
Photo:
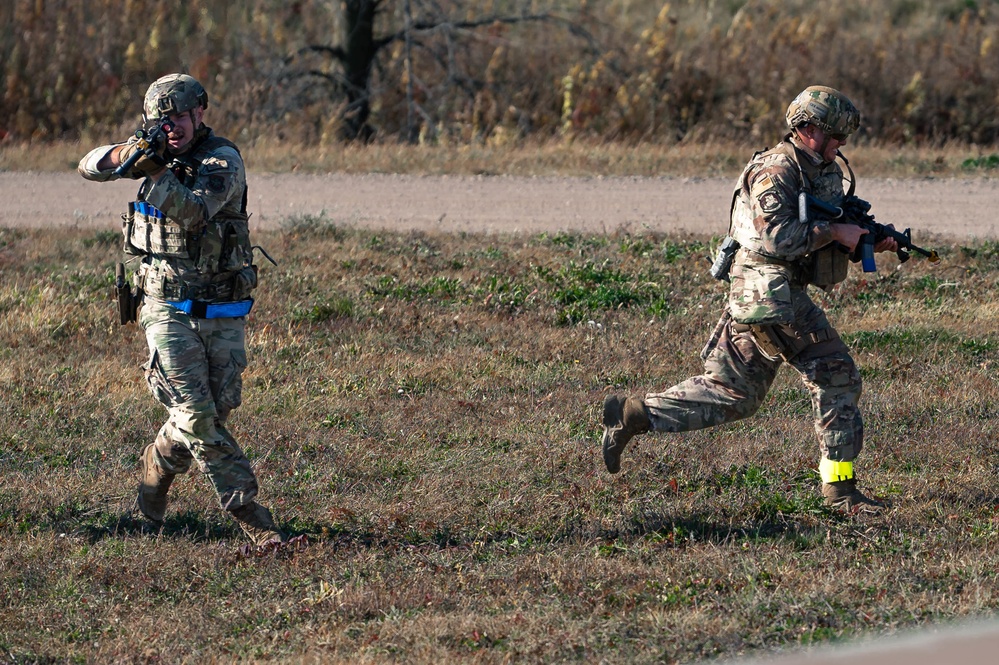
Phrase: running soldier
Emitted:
{"points": [[188, 227], [770, 318]]}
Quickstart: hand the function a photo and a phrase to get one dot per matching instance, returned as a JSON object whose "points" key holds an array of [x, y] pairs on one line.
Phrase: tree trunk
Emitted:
{"points": [[410, 125], [360, 50]]}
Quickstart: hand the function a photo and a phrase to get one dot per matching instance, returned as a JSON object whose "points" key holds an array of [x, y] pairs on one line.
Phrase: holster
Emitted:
{"points": [[129, 299], [786, 342]]}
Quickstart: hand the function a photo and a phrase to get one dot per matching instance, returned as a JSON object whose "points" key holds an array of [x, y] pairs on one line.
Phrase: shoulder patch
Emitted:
{"points": [[763, 184], [769, 201], [215, 164], [216, 183]]}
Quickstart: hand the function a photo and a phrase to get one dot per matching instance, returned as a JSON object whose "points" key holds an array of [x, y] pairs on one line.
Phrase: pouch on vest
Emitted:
{"points": [[830, 266], [244, 282], [761, 294], [151, 232], [127, 224]]}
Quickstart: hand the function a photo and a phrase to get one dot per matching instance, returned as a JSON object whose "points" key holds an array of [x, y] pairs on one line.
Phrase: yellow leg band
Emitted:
{"points": [[832, 471]]}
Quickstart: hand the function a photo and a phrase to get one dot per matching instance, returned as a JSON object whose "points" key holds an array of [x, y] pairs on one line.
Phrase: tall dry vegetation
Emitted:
{"points": [[425, 408], [921, 70]]}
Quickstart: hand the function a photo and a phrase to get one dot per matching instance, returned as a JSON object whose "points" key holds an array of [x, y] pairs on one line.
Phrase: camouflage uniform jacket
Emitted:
{"points": [[190, 227], [778, 248]]}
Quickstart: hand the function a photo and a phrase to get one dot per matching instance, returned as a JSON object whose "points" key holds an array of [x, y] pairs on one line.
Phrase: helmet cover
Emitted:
{"points": [[172, 94], [826, 108]]}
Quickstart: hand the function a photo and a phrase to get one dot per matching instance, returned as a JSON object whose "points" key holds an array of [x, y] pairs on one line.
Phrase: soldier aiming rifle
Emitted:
{"points": [[188, 227]]}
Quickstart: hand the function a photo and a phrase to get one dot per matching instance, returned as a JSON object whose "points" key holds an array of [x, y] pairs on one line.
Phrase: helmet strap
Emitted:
{"points": [[853, 178], [825, 144]]}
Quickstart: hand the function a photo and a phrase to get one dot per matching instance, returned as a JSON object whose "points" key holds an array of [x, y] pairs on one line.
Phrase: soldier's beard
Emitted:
{"points": [[177, 143]]}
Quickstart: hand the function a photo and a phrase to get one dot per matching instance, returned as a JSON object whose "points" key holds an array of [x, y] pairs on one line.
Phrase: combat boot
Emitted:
{"points": [[844, 495], [152, 498], [623, 419], [257, 523]]}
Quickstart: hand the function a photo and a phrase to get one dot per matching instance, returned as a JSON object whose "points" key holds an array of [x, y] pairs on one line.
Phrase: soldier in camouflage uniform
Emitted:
{"points": [[770, 318], [188, 227]]}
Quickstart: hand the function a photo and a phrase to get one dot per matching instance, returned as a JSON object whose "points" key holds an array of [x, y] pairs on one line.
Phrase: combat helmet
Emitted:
{"points": [[826, 108], [172, 94]]}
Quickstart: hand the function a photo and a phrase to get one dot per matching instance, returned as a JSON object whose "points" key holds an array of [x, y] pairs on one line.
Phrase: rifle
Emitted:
{"points": [[856, 211], [147, 140]]}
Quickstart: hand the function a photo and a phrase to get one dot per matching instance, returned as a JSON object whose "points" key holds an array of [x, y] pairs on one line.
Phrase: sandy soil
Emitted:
{"points": [[958, 208]]}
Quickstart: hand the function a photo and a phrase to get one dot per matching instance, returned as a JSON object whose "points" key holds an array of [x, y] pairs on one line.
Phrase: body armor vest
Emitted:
{"points": [[213, 264], [826, 266]]}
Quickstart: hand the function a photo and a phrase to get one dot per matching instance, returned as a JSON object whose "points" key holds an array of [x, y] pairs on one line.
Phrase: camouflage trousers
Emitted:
{"points": [[195, 370], [737, 377]]}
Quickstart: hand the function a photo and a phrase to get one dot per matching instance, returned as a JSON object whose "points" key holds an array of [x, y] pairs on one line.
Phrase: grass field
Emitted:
{"points": [[425, 410]]}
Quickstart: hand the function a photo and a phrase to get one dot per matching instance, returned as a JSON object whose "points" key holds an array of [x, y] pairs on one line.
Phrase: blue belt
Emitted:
{"points": [[212, 310]]}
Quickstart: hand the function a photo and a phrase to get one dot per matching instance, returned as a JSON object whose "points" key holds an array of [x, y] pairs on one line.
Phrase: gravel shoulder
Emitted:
{"points": [[949, 208]]}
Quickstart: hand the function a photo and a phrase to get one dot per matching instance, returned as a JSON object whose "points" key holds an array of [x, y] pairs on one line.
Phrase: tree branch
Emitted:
{"points": [[332, 78], [429, 26], [335, 52], [340, 55]]}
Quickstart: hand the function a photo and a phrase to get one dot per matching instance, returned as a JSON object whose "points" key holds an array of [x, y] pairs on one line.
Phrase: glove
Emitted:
{"points": [[151, 159]]}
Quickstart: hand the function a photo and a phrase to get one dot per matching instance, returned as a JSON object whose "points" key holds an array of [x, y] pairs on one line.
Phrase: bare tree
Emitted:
{"points": [[357, 55]]}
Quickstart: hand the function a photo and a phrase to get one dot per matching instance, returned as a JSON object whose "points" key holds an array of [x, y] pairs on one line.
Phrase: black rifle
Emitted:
{"points": [[147, 140], [857, 211]]}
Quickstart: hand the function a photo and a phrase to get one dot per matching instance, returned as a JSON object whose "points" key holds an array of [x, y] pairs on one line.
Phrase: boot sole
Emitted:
{"points": [[138, 505], [849, 507]]}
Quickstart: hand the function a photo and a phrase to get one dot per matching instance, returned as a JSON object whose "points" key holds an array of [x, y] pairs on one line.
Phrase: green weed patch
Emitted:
{"points": [[985, 162], [905, 340]]}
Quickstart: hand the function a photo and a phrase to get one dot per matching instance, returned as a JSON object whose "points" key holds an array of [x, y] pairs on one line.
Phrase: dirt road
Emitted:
{"points": [[959, 208]]}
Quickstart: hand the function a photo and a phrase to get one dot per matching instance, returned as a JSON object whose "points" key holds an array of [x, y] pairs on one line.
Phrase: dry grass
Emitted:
{"points": [[618, 70], [425, 409], [527, 158]]}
